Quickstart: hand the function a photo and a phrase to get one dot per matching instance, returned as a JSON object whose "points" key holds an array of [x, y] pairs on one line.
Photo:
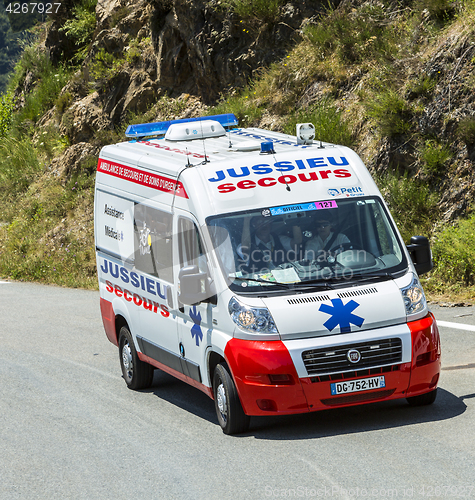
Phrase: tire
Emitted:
{"points": [[136, 373], [231, 416], [423, 399]]}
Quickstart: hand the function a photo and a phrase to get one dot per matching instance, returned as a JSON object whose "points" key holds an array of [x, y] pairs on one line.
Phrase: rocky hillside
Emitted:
{"points": [[142, 50], [394, 80]]}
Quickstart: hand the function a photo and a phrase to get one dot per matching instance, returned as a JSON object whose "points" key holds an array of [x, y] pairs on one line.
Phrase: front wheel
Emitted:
{"points": [[136, 373], [423, 399], [231, 416]]}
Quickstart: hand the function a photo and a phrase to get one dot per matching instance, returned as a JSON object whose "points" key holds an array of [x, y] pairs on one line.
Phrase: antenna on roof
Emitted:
{"points": [[188, 164], [204, 145], [267, 148]]}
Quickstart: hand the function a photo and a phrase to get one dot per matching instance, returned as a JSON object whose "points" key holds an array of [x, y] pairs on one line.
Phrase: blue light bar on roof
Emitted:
{"points": [[160, 128]]}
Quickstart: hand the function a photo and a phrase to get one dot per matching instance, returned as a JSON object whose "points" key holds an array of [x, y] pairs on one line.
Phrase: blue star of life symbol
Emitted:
{"points": [[196, 332], [341, 314]]}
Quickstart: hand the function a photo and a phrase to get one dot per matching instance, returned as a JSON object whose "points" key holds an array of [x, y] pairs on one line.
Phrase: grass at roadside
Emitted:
{"points": [[46, 230]]}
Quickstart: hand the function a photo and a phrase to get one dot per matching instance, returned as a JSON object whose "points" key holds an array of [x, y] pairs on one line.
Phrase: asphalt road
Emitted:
{"points": [[70, 429]]}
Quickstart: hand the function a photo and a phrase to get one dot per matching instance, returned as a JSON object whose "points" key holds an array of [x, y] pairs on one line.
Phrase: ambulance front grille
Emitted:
{"points": [[335, 377], [373, 353]]}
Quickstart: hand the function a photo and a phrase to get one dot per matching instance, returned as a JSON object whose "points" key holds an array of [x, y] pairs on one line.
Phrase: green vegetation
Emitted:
{"points": [[423, 86], [9, 49], [434, 157], [355, 73], [49, 84], [18, 165], [36, 240], [412, 204], [45, 80], [453, 253], [36, 243], [6, 113], [80, 27], [355, 36], [105, 65], [390, 111], [466, 130]]}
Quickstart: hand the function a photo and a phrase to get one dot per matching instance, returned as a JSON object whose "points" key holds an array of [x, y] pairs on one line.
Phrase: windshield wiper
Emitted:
{"points": [[326, 283], [260, 280], [317, 283]]}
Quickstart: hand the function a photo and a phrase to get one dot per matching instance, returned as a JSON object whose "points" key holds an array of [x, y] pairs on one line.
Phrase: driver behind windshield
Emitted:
{"points": [[326, 240], [263, 250]]}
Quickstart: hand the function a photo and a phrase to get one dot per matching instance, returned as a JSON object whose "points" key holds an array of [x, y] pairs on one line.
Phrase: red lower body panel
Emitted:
{"points": [[184, 378], [426, 361], [256, 367], [267, 382], [319, 394], [108, 320]]}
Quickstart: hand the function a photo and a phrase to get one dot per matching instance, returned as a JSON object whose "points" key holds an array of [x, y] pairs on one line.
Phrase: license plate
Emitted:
{"points": [[362, 384]]}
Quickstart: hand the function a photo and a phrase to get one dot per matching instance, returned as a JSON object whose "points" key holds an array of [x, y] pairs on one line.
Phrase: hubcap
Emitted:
{"points": [[221, 400], [127, 361]]}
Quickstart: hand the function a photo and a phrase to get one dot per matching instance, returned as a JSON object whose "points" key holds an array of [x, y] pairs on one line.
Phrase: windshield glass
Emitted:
{"points": [[314, 243]]}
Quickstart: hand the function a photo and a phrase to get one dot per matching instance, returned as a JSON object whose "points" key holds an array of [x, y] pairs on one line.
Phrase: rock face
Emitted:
{"points": [[202, 49], [445, 121], [159, 47]]}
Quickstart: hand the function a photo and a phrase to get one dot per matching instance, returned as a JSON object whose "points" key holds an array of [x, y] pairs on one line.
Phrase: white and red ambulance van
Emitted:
{"points": [[262, 268]]}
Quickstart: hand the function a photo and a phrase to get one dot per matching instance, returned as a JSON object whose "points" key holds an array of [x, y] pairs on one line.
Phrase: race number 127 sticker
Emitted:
{"points": [[321, 205]]}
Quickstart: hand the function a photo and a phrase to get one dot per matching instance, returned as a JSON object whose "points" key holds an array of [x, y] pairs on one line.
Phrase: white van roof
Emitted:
{"points": [[226, 166]]}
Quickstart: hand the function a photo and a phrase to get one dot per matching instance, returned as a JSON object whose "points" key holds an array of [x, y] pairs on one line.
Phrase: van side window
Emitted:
{"points": [[190, 246], [153, 242]]}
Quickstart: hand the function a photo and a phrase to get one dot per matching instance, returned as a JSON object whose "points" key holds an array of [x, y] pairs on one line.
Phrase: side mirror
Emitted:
{"points": [[195, 286], [419, 250]]}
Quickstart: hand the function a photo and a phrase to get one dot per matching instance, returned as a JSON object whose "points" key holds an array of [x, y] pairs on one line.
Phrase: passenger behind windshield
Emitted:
{"points": [[327, 240], [261, 249]]}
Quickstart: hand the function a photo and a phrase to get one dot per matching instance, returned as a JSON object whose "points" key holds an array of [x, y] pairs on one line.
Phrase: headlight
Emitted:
{"points": [[251, 319], [414, 298]]}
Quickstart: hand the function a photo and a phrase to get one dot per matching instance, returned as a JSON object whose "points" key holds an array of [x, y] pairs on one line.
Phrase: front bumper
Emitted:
{"points": [[268, 381]]}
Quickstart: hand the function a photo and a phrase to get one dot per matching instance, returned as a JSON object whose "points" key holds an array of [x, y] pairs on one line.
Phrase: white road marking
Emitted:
{"points": [[3, 282], [458, 326]]}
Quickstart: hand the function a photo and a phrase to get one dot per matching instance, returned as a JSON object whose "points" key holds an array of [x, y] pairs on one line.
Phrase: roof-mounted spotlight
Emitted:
{"points": [[305, 133]]}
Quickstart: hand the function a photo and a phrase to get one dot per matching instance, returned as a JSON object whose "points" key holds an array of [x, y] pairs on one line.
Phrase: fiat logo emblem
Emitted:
{"points": [[353, 356]]}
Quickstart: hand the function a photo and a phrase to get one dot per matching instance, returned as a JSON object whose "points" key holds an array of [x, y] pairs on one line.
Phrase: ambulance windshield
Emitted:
{"points": [[319, 242]]}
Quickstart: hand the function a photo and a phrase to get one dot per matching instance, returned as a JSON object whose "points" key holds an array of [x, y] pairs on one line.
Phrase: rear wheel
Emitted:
{"points": [[423, 399], [136, 373], [231, 416]]}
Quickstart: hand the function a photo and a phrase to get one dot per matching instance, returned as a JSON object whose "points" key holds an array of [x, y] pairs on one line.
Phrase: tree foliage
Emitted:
{"points": [[9, 49]]}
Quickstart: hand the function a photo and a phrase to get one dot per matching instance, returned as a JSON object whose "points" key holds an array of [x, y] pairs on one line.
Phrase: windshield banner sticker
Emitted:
{"points": [[317, 205]]}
